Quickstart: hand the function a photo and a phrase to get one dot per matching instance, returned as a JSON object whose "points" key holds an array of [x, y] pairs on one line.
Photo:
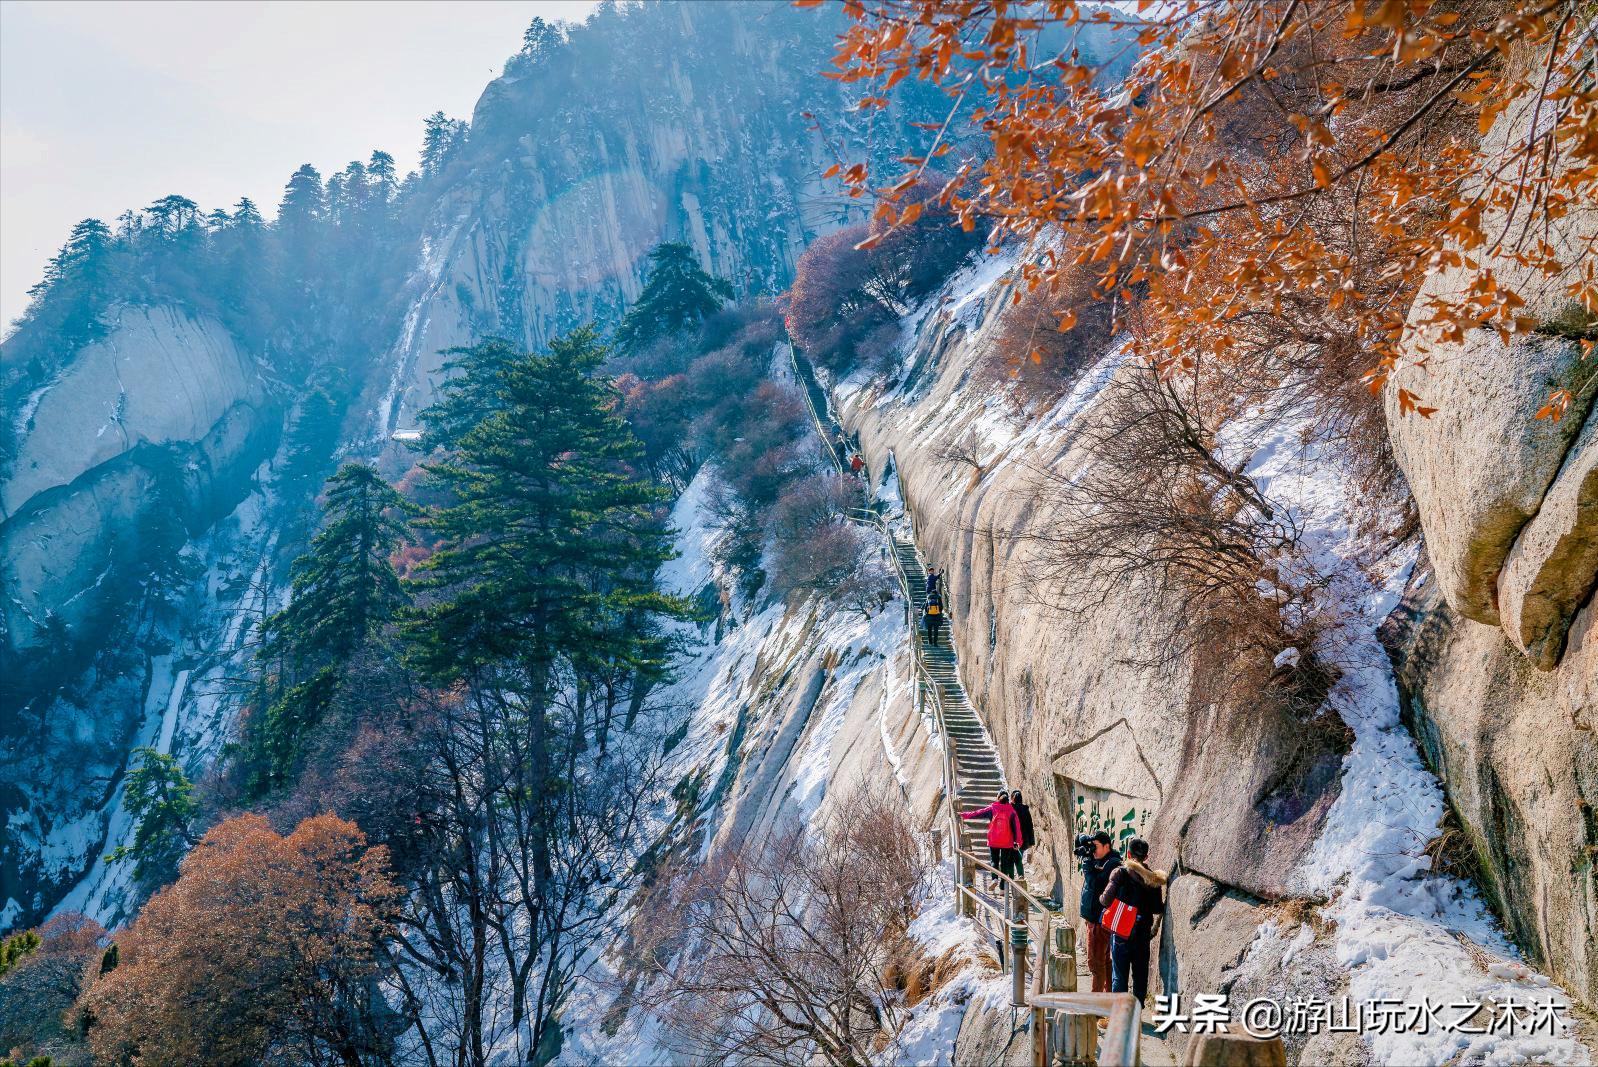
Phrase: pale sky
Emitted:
{"points": [[108, 105]]}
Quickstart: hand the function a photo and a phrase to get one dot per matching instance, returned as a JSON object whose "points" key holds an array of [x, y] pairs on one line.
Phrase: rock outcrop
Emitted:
{"points": [[1517, 747], [1495, 647], [1231, 795], [1483, 468], [146, 438], [164, 412]]}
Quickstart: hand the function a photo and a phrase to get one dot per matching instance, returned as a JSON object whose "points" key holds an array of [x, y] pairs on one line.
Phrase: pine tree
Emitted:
{"points": [[477, 379], [552, 535], [344, 589], [246, 216], [380, 171], [16, 948], [313, 435], [442, 137], [171, 215], [343, 592], [678, 295], [549, 543], [304, 201], [161, 798], [540, 39], [80, 263]]}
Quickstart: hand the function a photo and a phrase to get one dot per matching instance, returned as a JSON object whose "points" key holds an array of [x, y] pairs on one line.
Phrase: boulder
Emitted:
{"points": [[1480, 465], [1553, 566]]}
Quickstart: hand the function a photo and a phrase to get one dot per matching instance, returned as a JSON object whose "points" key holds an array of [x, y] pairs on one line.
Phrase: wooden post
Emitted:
{"points": [[1234, 1049], [1076, 1040], [962, 904], [1062, 961]]}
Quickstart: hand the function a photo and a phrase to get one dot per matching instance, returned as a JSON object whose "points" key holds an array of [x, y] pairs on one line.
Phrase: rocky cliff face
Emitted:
{"points": [[1232, 796], [150, 434], [164, 397], [699, 137], [1298, 840], [1495, 644]]}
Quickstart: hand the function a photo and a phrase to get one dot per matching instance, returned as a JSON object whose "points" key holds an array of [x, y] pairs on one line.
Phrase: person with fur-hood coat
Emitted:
{"points": [[1140, 886]]}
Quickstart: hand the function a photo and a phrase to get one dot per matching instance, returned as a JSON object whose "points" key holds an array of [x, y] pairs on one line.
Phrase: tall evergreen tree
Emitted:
{"points": [[380, 172], [343, 591], [78, 282], [304, 201], [677, 296], [551, 536], [171, 215], [478, 378], [442, 137], [79, 260], [246, 215], [540, 39]]}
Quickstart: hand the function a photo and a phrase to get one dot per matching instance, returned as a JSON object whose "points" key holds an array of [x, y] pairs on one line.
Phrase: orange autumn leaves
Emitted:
{"points": [[254, 951], [1311, 161]]}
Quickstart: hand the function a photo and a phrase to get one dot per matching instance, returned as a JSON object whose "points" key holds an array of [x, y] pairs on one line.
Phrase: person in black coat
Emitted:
{"points": [[1029, 836], [1096, 871], [1142, 887]]}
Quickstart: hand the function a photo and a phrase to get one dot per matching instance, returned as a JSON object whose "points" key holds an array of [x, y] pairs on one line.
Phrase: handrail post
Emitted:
{"points": [[962, 903], [1018, 953]]}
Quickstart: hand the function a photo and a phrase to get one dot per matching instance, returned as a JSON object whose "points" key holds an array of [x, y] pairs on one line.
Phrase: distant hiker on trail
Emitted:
{"points": [[1004, 833], [843, 447], [934, 581], [1029, 836], [934, 617], [1134, 896], [1099, 861], [856, 465]]}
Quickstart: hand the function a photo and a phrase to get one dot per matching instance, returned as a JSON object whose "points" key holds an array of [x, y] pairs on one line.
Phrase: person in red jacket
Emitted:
{"points": [[1004, 834]]}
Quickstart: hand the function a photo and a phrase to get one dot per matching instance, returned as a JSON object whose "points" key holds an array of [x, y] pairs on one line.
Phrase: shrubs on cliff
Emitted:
{"points": [[816, 549], [1027, 344], [1160, 510], [40, 986], [779, 501], [265, 949], [851, 287], [784, 951]]}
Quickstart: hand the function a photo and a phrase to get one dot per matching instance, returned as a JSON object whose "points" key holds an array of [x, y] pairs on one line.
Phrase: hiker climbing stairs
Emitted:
{"points": [[976, 765]]}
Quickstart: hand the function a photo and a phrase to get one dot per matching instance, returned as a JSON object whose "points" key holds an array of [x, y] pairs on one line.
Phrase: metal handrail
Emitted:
{"points": [[1119, 1044]]}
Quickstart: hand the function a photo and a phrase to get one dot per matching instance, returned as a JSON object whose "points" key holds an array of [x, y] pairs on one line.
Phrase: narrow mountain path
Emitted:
{"points": [[978, 775]]}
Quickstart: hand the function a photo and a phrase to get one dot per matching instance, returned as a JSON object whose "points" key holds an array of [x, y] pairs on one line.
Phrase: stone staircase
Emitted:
{"points": [[976, 765]]}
